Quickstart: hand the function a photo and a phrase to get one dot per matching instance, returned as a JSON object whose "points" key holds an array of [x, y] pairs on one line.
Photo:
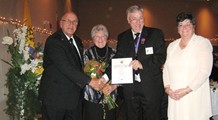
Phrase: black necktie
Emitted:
{"points": [[136, 38], [135, 43], [136, 47], [77, 51], [71, 41]]}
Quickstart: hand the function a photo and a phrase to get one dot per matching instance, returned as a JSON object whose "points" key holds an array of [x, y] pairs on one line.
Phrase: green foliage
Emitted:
{"points": [[23, 75]]}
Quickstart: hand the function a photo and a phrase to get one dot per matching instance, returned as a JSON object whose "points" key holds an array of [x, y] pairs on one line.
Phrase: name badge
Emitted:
{"points": [[149, 51]]}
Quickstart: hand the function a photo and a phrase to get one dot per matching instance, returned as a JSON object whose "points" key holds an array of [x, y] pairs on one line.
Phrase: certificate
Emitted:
{"points": [[122, 72]]}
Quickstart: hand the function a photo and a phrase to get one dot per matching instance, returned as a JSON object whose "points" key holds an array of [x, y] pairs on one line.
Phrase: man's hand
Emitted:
{"points": [[136, 65]]}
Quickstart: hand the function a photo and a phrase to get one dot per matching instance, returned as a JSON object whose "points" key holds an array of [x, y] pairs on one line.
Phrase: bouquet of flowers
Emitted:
{"points": [[95, 69], [24, 74]]}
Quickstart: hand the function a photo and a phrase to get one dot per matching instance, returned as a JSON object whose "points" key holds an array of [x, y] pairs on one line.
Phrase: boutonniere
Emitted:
{"points": [[143, 41]]}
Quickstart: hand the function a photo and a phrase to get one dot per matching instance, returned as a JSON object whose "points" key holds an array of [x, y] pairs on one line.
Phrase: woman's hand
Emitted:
{"points": [[170, 93], [182, 92], [177, 94], [108, 89]]}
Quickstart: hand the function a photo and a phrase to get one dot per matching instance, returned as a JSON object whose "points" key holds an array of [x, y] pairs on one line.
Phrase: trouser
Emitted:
{"points": [[139, 108], [53, 113], [94, 111]]}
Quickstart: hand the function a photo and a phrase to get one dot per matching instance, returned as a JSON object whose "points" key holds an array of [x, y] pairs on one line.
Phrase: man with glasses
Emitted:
{"points": [[63, 79], [146, 46]]}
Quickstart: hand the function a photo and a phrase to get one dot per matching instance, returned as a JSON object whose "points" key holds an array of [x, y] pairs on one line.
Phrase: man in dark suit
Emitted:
{"points": [[63, 79], [146, 46]]}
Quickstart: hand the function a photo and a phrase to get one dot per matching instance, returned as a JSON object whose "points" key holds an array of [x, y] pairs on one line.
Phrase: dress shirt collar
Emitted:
{"points": [[68, 36], [133, 33]]}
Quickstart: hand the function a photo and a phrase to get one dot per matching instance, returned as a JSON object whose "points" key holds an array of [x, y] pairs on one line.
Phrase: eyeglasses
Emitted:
{"points": [[101, 37], [74, 22], [135, 20], [188, 25]]}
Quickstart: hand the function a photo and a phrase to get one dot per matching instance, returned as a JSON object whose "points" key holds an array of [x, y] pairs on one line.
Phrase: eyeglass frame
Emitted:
{"points": [[74, 22]]}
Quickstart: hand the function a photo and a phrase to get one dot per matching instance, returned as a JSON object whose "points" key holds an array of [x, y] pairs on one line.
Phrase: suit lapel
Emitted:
{"points": [[142, 42], [80, 47], [72, 48], [130, 39], [144, 36]]}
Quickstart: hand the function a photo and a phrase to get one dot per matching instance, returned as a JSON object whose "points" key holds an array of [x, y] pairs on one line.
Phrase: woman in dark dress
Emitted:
{"points": [[94, 106]]}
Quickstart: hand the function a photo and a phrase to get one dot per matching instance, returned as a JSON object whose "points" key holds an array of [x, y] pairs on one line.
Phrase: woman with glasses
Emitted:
{"points": [[186, 73], [94, 106]]}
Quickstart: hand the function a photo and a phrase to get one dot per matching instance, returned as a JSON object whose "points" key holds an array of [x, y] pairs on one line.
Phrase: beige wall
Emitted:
{"points": [[158, 13]]}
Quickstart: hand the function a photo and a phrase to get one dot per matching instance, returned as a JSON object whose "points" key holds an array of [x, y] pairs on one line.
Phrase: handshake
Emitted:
{"points": [[97, 84]]}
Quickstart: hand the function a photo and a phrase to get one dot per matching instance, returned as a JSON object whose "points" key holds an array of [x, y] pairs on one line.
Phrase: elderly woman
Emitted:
{"points": [[94, 107], [186, 73]]}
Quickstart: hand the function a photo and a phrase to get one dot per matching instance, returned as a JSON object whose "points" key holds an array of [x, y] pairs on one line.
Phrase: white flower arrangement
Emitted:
{"points": [[7, 40], [24, 73]]}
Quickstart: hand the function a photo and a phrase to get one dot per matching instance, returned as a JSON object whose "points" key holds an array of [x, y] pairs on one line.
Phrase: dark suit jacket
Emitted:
{"points": [[63, 78], [151, 84]]}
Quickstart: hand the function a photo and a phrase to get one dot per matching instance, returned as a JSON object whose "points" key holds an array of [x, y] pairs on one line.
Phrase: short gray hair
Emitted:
{"points": [[98, 28], [134, 8]]}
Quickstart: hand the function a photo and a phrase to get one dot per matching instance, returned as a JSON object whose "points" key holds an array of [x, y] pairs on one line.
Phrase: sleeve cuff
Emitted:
{"points": [[105, 77]]}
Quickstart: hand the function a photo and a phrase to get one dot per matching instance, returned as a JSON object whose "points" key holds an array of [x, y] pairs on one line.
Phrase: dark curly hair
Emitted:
{"points": [[183, 16]]}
